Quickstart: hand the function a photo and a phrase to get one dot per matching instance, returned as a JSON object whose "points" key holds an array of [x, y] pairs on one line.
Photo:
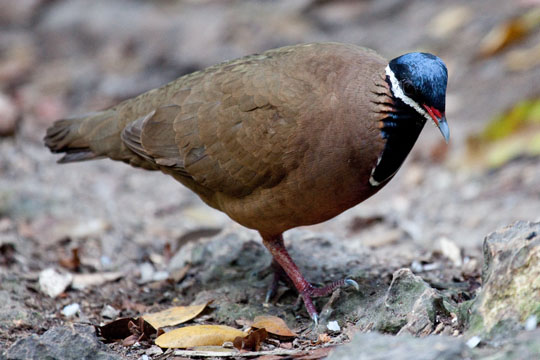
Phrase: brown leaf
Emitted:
{"points": [[323, 338], [124, 328], [198, 335], [81, 281], [252, 342], [508, 33], [71, 263], [273, 325], [174, 316]]}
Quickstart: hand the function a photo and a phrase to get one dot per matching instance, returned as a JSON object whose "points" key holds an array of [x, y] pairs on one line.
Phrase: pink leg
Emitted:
{"points": [[280, 255]]}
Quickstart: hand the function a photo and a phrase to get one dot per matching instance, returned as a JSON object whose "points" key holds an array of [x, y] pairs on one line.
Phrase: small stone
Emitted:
{"points": [[450, 250], [53, 283], [147, 272], [333, 326], [154, 350], [71, 309], [109, 312], [473, 342], [416, 266], [531, 323]]}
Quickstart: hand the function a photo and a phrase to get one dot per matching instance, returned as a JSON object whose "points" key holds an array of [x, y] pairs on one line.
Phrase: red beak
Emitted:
{"points": [[439, 120]]}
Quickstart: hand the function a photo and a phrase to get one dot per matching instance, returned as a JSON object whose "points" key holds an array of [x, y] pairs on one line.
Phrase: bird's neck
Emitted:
{"points": [[401, 127]]}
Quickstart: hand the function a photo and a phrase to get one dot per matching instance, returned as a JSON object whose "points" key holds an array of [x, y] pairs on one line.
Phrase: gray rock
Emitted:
{"points": [[524, 346], [511, 282], [62, 342], [13, 311], [410, 306], [374, 346]]}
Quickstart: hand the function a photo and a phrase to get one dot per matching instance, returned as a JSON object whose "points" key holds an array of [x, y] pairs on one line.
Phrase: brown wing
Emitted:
{"points": [[229, 128]]}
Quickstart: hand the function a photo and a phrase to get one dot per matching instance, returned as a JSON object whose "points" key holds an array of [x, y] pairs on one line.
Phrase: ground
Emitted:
{"points": [[165, 247]]}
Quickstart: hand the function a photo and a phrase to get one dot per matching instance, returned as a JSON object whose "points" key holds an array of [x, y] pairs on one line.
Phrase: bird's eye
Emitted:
{"points": [[408, 88]]}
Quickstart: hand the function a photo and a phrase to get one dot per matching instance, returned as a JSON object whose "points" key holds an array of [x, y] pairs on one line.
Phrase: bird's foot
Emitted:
{"points": [[312, 292], [309, 291]]}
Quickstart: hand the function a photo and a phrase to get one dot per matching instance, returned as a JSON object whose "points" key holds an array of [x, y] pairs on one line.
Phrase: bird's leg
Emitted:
{"points": [[282, 258], [279, 274]]}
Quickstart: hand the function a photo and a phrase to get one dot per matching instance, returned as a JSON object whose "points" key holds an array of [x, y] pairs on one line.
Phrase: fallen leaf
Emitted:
{"points": [[174, 316], [71, 263], [508, 33], [129, 330], [81, 281], [198, 335], [323, 338], [252, 342], [523, 59], [273, 325], [449, 20], [513, 134]]}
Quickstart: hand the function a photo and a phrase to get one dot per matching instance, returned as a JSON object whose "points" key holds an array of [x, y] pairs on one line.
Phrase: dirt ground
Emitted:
{"points": [[60, 57]]}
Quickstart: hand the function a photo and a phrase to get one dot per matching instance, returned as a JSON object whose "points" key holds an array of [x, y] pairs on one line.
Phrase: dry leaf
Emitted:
{"points": [[511, 135], [174, 316], [323, 338], [449, 20], [523, 59], [71, 263], [81, 281], [198, 335], [251, 342], [273, 325], [129, 330], [508, 33]]}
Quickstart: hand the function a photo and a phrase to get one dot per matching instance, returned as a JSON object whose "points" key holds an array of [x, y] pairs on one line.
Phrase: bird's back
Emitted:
{"points": [[261, 137]]}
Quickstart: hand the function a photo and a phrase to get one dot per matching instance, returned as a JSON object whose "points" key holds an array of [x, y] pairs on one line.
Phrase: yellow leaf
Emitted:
{"points": [[198, 335], [509, 32], [174, 316], [273, 325]]}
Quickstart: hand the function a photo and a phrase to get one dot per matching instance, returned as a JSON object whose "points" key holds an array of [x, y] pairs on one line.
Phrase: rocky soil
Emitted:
{"points": [[446, 256]]}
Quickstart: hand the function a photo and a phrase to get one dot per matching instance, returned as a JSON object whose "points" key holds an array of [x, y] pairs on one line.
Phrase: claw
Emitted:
{"points": [[268, 296], [315, 319], [352, 283]]}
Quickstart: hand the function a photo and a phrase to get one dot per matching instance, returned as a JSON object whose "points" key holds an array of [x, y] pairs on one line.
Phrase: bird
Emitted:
{"points": [[289, 137]]}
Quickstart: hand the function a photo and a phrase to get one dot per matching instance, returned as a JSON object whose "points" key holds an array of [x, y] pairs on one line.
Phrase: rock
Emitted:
{"points": [[410, 306], [61, 342], [510, 292], [378, 347], [53, 283], [109, 312], [71, 310], [13, 312]]}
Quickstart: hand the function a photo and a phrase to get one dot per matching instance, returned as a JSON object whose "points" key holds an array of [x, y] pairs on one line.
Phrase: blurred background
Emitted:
{"points": [[65, 57]]}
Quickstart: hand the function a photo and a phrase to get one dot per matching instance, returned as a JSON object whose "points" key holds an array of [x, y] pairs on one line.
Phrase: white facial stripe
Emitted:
{"points": [[372, 180], [398, 92]]}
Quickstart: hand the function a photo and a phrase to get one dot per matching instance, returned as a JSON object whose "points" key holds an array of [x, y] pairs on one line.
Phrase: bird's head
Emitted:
{"points": [[419, 80]]}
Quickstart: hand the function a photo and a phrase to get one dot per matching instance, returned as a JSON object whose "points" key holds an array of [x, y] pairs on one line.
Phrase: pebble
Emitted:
{"points": [[333, 326], [53, 283], [531, 323], [473, 342], [71, 309], [109, 312]]}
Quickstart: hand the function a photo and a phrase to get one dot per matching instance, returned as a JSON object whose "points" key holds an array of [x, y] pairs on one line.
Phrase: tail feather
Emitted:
{"points": [[71, 136]]}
